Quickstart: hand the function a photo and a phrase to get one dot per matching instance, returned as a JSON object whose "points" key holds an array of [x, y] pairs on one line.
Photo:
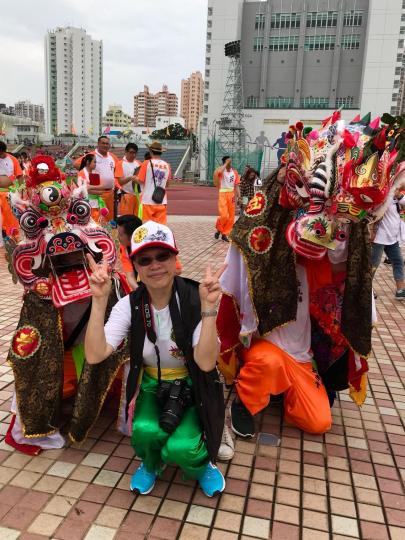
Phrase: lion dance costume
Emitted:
{"points": [[48, 257], [297, 314]]}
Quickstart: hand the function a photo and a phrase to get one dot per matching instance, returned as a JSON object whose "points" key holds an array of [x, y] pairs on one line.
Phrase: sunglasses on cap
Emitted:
{"points": [[147, 260]]}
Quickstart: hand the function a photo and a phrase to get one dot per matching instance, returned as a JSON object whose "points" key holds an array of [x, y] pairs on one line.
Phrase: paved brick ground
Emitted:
{"points": [[346, 484]]}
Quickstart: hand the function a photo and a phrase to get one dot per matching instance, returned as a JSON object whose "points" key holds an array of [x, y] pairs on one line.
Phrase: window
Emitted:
{"points": [[401, 44], [209, 24], [252, 102], [402, 30], [208, 47], [279, 102], [205, 109], [286, 20], [210, 10], [284, 43], [209, 35], [207, 73], [320, 43], [315, 102], [351, 41], [206, 96], [345, 102], [258, 44], [260, 21], [403, 17], [207, 85], [399, 57], [208, 61], [322, 19]]}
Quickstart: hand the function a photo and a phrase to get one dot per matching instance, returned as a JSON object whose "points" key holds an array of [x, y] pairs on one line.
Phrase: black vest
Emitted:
{"points": [[207, 388]]}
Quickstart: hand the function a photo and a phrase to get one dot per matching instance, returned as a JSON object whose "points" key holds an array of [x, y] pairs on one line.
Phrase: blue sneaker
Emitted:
{"points": [[212, 482], [142, 481]]}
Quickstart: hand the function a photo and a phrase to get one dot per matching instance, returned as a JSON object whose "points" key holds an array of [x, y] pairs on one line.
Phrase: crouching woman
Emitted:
{"points": [[170, 321]]}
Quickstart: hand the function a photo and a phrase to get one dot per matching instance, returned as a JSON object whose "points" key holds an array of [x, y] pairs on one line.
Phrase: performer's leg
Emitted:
{"points": [[230, 199], [9, 220], [108, 198], [154, 212], [263, 373], [185, 446], [148, 438], [128, 205], [306, 402], [222, 213]]}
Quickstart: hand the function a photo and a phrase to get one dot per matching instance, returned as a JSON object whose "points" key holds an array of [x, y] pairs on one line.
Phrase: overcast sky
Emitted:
{"points": [[145, 42]]}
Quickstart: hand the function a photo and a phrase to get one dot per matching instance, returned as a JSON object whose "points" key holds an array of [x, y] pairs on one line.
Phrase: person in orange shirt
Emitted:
{"points": [[106, 163], [126, 225], [154, 173], [126, 175], [227, 180], [10, 170]]}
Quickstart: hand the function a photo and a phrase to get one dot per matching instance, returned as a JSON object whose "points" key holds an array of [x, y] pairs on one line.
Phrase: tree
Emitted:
{"points": [[172, 132]]}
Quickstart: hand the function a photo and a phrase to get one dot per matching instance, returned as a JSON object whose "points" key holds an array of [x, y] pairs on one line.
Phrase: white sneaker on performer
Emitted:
{"points": [[227, 449]]}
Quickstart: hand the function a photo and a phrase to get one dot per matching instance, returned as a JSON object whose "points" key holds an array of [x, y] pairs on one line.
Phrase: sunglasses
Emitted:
{"points": [[146, 260]]}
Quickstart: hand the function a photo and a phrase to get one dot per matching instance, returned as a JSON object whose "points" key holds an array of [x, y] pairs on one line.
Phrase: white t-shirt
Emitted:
{"points": [[391, 228], [128, 168], [118, 326], [162, 176], [229, 179], [105, 167], [295, 337]]}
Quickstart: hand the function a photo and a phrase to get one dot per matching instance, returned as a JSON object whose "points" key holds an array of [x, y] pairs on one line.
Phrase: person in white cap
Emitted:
{"points": [[170, 321]]}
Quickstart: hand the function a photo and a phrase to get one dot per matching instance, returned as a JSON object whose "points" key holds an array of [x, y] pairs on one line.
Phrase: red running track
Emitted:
{"points": [[192, 200]]}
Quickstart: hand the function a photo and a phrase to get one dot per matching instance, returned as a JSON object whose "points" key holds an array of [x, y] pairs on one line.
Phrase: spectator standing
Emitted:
{"points": [[227, 180], [106, 163], [388, 237], [10, 171], [154, 172], [126, 174]]}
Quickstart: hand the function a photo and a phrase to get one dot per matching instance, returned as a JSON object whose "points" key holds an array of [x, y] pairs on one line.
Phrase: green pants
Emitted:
{"points": [[184, 447]]}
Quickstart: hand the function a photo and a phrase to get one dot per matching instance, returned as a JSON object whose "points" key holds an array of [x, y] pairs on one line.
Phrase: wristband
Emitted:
{"points": [[211, 313]]}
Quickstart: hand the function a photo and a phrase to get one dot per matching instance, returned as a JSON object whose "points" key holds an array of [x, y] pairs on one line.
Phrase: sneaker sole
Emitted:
{"points": [[139, 492], [244, 435], [225, 458], [400, 298], [217, 492]]}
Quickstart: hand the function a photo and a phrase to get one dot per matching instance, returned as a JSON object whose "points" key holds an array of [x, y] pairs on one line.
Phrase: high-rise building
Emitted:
{"points": [[74, 82], [301, 60], [147, 106], [192, 95], [26, 109]]}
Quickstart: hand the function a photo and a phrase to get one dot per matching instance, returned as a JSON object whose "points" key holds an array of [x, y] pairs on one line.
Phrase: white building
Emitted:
{"points": [[301, 60], [26, 109], [74, 82]]}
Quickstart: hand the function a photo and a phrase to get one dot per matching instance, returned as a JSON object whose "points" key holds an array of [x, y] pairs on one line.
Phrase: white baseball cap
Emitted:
{"points": [[151, 235]]}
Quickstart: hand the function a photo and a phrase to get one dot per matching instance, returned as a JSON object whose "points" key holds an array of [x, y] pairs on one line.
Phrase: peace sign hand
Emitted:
{"points": [[210, 288], [99, 279]]}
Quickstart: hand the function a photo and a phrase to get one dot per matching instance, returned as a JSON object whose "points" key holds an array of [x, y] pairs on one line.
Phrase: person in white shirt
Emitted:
{"points": [[161, 359], [390, 233], [154, 173], [126, 174]]}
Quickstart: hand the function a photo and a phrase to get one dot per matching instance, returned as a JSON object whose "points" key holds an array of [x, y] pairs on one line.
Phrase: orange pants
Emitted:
{"points": [[129, 205], [108, 198], [154, 212], [226, 210], [266, 370], [9, 220]]}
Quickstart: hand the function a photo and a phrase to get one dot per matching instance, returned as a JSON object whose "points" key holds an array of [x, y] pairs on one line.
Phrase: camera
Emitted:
{"points": [[173, 397]]}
